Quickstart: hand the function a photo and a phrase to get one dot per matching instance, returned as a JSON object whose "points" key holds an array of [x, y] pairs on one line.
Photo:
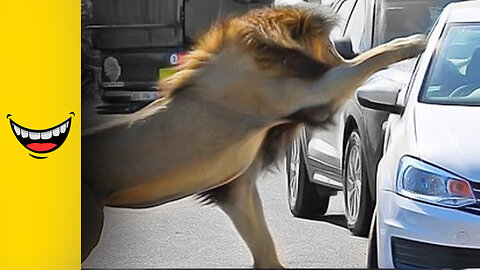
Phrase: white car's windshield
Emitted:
{"points": [[454, 73]]}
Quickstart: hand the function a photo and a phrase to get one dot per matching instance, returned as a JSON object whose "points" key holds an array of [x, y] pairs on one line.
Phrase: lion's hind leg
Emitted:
{"points": [[92, 220], [239, 199]]}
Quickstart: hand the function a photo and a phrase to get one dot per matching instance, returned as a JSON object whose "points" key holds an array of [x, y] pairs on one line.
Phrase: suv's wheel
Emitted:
{"points": [[303, 198], [358, 204]]}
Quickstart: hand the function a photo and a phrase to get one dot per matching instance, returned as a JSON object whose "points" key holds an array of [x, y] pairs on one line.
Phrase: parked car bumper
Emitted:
{"points": [[414, 234]]}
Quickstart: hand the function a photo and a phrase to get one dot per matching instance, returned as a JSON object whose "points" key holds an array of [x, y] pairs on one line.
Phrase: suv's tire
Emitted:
{"points": [[357, 201], [303, 198]]}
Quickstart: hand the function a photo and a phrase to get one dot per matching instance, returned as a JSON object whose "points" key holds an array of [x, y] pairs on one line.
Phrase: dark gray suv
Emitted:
{"points": [[345, 156]]}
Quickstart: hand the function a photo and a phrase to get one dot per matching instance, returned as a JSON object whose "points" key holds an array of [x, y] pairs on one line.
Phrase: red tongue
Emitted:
{"points": [[41, 147]]}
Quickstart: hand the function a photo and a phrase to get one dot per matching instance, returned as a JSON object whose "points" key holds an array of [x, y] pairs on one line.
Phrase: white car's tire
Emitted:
{"points": [[372, 245]]}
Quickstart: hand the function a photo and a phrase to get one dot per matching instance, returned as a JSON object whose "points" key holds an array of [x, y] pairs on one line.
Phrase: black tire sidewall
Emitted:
{"points": [[360, 226], [308, 202], [296, 209], [372, 245]]}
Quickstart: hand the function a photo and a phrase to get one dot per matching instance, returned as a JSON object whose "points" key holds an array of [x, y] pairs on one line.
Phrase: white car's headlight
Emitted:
{"points": [[424, 182]]}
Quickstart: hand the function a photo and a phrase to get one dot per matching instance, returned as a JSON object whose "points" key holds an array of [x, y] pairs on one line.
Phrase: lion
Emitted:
{"points": [[232, 108]]}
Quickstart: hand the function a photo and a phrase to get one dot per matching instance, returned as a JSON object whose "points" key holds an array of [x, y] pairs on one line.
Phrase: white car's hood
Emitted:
{"points": [[449, 136]]}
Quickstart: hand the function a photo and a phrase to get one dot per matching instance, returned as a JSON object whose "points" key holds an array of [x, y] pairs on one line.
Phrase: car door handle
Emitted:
{"points": [[384, 126]]}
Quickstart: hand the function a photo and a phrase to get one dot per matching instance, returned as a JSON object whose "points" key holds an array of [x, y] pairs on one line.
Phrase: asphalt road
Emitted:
{"points": [[186, 234]]}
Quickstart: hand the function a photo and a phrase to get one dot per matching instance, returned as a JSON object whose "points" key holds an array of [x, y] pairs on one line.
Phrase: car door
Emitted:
{"points": [[321, 143], [325, 146]]}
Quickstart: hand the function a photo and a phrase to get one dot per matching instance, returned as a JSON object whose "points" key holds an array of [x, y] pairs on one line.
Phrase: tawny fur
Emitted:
{"points": [[242, 94], [271, 36]]}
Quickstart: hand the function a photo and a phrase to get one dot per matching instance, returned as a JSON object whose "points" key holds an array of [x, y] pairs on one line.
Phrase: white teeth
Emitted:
{"points": [[56, 131], [37, 135], [17, 130], [34, 135], [46, 135]]}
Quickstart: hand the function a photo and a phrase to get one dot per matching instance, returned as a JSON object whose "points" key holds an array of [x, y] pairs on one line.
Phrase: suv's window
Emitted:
{"points": [[356, 27], [344, 9], [402, 18]]}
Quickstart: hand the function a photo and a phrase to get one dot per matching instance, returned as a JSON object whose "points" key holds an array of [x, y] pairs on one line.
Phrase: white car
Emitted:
{"points": [[428, 181]]}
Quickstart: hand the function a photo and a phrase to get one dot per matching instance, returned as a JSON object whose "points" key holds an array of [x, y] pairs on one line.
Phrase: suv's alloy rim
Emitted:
{"points": [[354, 182], [294, 171]]}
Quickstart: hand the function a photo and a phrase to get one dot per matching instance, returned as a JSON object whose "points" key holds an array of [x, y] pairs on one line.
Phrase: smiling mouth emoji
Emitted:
{"points": [[42, 141]]}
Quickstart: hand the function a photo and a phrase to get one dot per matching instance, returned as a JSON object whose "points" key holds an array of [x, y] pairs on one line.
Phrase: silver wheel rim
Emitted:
{"points": [[354, 183], [294, 171]]}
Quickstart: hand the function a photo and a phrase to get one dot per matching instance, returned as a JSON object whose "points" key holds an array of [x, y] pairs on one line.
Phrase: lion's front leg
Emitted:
{"points": [[342, 82], [289, 94], [393, 51]]}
